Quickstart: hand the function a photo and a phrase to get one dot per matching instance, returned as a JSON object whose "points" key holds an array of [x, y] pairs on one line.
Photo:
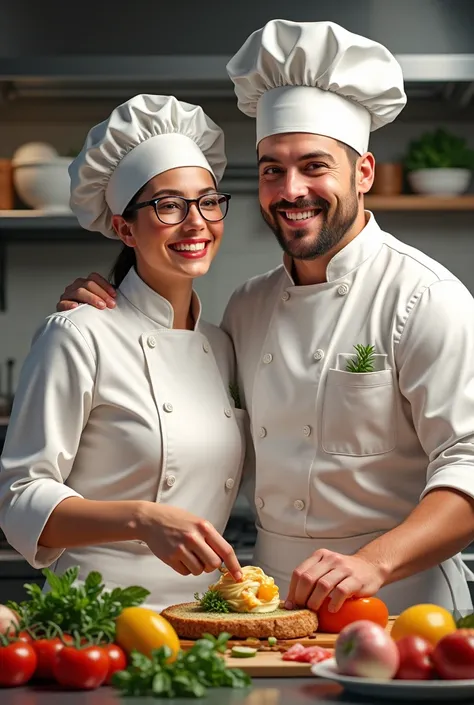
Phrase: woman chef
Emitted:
{"points": [[124, 444]]}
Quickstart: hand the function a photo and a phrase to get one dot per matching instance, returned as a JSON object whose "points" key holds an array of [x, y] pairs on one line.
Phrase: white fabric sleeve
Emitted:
{"points": [[51, 408], [436, 375]]}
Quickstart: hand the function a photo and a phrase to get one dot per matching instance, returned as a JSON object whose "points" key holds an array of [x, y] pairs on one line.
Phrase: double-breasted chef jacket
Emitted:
{"points": [[343, 457], [116, 405]]}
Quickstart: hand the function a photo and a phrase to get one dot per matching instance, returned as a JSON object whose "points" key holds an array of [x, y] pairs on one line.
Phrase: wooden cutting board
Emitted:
{"points": [[316, 639], [269, 664]]}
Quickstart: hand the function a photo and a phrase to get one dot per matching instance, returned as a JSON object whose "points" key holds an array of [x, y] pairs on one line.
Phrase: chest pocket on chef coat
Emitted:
{"points": [[359, 410]]}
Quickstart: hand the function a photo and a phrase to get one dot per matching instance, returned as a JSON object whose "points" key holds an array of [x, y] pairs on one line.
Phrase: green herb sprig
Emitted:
{"points": [[190, 675], [364, 361], [212, 601], [87, 608]]}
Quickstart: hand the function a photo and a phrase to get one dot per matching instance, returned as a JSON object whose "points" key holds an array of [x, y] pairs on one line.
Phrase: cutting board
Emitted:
{"points": [[269, 664]]}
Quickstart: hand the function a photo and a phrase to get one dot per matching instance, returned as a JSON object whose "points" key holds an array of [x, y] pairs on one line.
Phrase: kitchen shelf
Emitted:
{"points": [[409, 202]]}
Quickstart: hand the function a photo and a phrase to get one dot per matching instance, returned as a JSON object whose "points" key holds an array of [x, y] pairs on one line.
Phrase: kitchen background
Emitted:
{"points": [[59, 77]]}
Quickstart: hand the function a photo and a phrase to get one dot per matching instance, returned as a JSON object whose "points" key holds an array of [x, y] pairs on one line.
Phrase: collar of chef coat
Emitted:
{"points": [[154, 306], [363, 246]]}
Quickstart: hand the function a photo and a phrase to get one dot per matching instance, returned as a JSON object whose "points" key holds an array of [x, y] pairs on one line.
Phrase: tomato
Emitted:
{"points": [[353, 610], [46, 652], [144, 630], [117, 660], [84, 668], [453, 656], [415, 659], [17, 663], [431, 622], [24, 636]]}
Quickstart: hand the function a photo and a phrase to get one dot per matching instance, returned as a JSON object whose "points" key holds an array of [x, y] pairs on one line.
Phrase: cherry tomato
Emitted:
{"points": [[353, 610], [84, 668], [46, 652], [117, 659], [17, 663], [24, 636]]}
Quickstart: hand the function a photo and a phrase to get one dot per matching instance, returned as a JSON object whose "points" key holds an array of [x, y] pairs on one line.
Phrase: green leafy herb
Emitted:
{"points": [[466, 622], [235, 394], [364, 361], [88, 608], [212, 601], [190, 675], [439, 149]]}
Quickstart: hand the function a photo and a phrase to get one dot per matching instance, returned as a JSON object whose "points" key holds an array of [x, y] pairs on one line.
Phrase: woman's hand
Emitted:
{"points": [[185, 542], [94, 290]]}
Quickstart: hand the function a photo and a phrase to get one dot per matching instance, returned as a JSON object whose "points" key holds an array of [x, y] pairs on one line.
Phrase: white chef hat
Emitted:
{"points": [[317, 77], [142, 138]]}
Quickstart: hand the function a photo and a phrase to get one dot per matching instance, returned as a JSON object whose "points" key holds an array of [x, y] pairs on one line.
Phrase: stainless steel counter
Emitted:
{"points": [[265, 691]]}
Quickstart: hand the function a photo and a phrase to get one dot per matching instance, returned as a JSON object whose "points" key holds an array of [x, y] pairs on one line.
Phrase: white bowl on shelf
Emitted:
{"points": [[439, 182], [44, 185]]}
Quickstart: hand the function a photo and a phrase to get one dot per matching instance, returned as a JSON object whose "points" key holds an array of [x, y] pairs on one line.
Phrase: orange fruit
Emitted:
{"points": [[431, 622]]}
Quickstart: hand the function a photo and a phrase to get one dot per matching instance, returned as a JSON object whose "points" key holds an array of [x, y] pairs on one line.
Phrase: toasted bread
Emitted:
{"points": [[191, 622]]}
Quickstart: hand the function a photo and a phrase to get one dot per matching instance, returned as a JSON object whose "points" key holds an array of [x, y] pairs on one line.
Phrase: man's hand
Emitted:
{"points": [[328, 573], [94, 290]]}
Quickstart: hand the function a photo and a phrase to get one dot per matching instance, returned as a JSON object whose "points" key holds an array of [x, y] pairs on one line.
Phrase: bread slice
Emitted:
{"points": [[191, 622]]}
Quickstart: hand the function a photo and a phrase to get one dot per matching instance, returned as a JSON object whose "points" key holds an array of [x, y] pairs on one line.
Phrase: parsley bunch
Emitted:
{"points": [[87, 609], [364, 361], [212, 601], [190, 675]]}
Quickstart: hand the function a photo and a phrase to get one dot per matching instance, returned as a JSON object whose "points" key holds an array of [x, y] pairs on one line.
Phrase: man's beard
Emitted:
{"points": [[331, 229]]}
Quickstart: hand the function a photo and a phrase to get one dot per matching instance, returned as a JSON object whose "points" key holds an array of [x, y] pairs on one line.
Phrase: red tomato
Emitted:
{"points": [[453, 655], [117, 660], [17, 663], [84, 668], [353, 610], [24, 636], [46, 652], [415, 659]]}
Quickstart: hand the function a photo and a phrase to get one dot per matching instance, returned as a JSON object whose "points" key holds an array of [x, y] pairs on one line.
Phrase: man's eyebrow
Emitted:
{"points": [[270, 159]]}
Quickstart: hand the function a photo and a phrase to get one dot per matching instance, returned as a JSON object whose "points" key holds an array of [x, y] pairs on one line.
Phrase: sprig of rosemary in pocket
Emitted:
{"points": [[85, 608], [190, 675], [364, 361]]}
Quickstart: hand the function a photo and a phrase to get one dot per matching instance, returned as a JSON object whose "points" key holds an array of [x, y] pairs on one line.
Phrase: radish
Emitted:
{"points": [[9, 621], [365, 649]]}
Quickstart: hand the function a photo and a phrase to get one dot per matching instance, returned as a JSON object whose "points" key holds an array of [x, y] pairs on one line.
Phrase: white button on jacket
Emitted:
{"points": [[116, 405], [379, 440]]}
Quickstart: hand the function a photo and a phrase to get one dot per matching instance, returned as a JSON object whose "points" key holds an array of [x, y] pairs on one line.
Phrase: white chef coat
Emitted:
{"points": [[343, 457], [116, 405]]}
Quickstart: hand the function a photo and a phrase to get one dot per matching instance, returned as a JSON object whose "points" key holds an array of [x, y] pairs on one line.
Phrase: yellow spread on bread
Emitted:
{"points": [[255, 592]]}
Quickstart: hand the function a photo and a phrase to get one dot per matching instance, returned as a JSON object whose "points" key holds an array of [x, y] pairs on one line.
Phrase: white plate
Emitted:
{"points": [[396, 689]]}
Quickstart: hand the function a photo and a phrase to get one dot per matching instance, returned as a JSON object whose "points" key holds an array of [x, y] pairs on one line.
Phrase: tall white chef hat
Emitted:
{"points": [[316, 77], [142, 138]]}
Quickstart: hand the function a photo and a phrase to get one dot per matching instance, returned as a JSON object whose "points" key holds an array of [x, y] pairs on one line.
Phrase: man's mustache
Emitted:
{"points": [[301, 203]]}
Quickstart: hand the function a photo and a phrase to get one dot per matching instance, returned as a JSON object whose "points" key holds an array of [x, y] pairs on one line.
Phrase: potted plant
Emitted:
{"points": [[439, 163]]}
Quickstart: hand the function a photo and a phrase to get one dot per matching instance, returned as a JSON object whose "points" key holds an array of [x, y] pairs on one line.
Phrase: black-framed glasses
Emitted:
{"points": [[172, 210]]}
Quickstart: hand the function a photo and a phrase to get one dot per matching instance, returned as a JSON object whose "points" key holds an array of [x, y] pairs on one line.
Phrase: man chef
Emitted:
{"points": [[364, 479]]}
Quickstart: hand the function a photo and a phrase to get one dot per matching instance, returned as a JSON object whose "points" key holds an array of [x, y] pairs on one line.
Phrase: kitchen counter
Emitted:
{"points": [[265, 691]]}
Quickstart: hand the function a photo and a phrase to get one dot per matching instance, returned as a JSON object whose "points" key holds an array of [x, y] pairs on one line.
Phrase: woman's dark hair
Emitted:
{"points": [[126, 259]]}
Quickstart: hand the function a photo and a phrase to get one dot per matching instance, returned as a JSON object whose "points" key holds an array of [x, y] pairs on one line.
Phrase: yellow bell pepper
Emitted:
{"points": [[142, 629]]}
